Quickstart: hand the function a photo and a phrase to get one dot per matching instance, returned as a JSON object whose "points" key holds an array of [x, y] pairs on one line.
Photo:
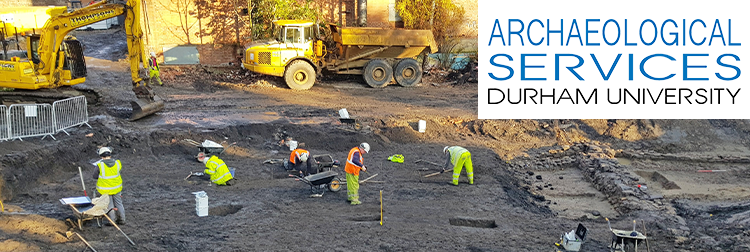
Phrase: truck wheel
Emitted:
{"points": [[378, 73], [299, 75], [408, 72]]}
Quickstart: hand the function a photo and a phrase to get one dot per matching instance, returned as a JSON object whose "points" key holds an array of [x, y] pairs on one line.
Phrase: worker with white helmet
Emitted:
{"points": [[218, 170], [109, 183], [300, 161], [355, 163], [459, 158], [153, 70]]}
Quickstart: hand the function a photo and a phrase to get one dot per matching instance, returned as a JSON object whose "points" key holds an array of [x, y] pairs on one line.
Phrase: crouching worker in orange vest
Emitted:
{"points": [[355, 163], [217, 169], [300, 161], [109, 183]]}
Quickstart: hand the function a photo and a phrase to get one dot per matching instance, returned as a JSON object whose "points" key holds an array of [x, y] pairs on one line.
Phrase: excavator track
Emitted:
{"points": [[48, 96]]}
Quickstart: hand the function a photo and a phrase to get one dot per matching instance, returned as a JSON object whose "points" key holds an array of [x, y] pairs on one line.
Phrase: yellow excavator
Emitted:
{"points": [[55, 60]]}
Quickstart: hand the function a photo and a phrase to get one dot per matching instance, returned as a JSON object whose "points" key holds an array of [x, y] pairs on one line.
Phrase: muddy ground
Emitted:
{"points": [[535, 179]]}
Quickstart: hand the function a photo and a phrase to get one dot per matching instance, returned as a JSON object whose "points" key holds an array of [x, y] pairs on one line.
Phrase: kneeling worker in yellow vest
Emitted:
{"points": [[109, 183], [355, 163], [459, 158], [217, 169]]}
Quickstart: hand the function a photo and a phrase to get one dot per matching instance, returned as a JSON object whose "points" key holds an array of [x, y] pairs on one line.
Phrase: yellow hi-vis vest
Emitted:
{"points": [[109, 182], [456, 152], [218, 170]]}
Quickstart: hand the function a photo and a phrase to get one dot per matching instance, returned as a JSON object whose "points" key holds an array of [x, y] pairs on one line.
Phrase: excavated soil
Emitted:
{"points": [[535, 179]]}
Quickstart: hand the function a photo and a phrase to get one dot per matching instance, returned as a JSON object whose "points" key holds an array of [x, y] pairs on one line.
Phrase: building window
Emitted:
{"points": [[392, 13], [181, 55]]}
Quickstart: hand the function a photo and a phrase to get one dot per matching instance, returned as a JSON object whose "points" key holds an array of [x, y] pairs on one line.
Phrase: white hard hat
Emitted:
{"points": [[153, 54], [445, 149], [104, 150], [365, 147], [303, 157]]}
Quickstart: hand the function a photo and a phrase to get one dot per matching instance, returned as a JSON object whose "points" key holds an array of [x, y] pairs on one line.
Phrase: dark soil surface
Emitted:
{"points": [[586, 167]]}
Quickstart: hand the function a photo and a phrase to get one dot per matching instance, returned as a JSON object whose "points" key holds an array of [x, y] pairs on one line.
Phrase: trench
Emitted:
{"points": [[224, 210], [472, 222]]}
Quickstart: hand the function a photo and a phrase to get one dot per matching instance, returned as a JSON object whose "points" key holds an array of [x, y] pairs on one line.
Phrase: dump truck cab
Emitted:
{"points": [[290, 50]]}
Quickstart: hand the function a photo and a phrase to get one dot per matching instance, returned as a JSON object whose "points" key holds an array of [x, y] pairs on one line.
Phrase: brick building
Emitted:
{"points": [[382, 13]]}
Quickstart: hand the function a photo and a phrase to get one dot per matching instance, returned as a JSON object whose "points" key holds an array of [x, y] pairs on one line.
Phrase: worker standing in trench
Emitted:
{"points": [[459, 157], [355, 163], [109, 183], [153, 70]]}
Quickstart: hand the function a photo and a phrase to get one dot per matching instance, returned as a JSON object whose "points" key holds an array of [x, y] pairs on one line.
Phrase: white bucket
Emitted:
{"points": [[343, 113], [292, 145], [201, 203], [422, 126]]}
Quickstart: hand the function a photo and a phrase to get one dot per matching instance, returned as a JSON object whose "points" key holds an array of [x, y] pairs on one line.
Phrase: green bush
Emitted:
{"points": [[443, 17]]}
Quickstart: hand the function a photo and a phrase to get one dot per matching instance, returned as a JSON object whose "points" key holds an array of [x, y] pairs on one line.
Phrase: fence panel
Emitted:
{"points": [[29, 120], [4, 123], [70, 112]]}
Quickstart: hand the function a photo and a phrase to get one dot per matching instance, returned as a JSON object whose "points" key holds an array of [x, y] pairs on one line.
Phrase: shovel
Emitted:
{"points": [[434, 174], [70, 234]]}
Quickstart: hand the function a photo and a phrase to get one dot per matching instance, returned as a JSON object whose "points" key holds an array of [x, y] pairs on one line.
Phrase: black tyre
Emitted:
{"points": [[335, 185], [378, 73], [629, 246], [300, 75], [408, 72]]}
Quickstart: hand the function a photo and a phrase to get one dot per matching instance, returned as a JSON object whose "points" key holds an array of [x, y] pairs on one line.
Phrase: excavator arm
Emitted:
{"points": [[57, 27]]}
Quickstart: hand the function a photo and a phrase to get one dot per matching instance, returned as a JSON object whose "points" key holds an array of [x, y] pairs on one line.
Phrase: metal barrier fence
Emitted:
{"points": [[29, 120], [70, 112], [4, 123]]}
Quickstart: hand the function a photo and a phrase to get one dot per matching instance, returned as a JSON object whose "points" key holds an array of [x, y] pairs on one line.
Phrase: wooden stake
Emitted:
{"points": [[648, 248], [381, 207]]}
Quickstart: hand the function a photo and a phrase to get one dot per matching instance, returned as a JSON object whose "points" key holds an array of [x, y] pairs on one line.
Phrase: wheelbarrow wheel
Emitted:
{"points": [[335, 185], [629, 246]]}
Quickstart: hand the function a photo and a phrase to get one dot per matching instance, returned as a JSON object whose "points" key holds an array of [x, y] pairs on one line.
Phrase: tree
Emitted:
{"points": [[265, 11], [441, 16], [226, 21], [182, 8]]}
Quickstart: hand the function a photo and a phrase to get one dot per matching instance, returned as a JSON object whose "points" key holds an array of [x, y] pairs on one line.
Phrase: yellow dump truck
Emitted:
{"points": [[380, 55]]}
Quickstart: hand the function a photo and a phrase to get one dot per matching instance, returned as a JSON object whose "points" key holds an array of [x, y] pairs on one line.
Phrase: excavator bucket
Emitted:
{"points": [[144, 107]]}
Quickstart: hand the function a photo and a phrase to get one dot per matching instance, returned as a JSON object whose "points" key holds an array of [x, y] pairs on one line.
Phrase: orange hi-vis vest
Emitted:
{"points": [[350, 166], [297, 153]]}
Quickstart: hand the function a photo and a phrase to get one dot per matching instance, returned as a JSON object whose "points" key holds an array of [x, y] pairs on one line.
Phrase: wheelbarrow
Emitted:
{"points": [[351, 122], [324, 179], [320, 182], [625, 240], [85, 209]]}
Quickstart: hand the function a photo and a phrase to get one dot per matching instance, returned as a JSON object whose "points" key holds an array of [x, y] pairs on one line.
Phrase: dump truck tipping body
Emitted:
{"points": [[400, 43]]}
